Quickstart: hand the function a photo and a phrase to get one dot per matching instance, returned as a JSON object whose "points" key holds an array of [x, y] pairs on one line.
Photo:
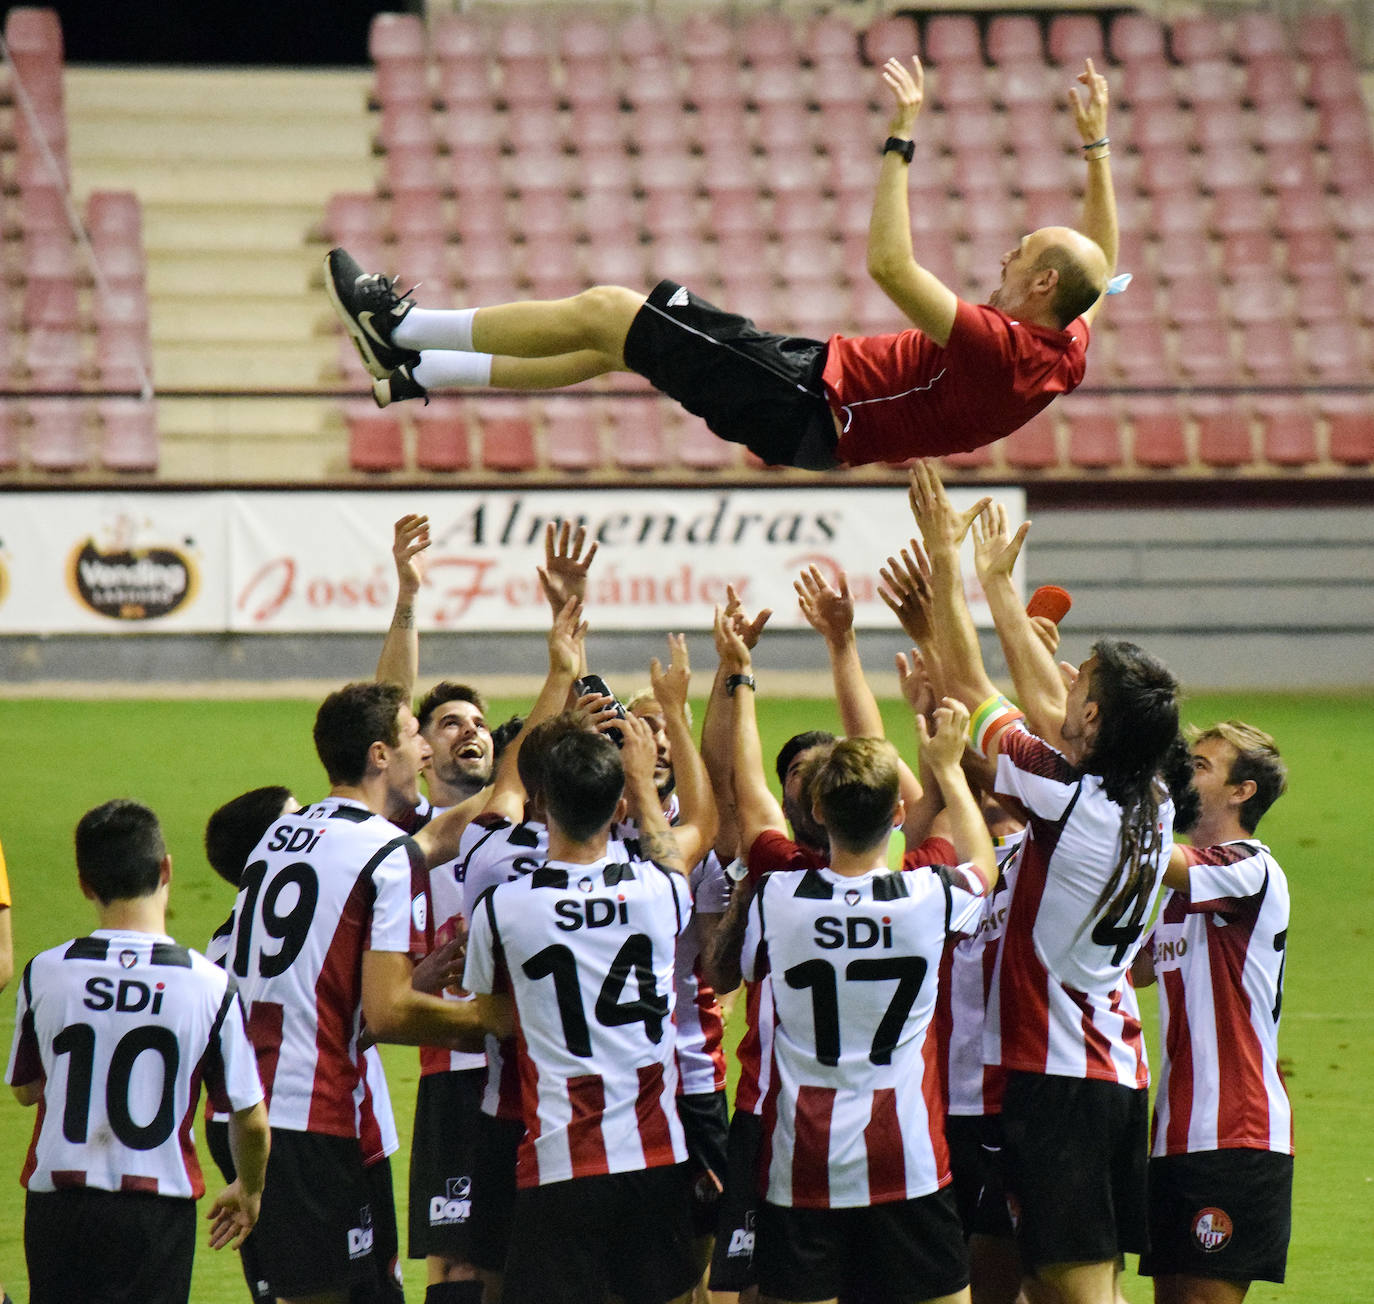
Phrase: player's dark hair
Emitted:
{"points": [[534, 751], [1076, 291], [503, 735], [119, 851], [800, 743], [1257, 761], [238, 826], [447, 691], [583, 781], [856, 790], [1138, 754], [350, 721]]}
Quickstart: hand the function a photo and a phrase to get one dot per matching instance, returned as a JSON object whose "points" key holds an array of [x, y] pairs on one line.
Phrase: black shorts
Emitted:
{"points": [[441, 1152], [905, 1250], [622, 1234], [977, 1165], [705, 1119], [750, 386], [1221, 1213], [86, 1246], [732, 1259], [387, 1284], [1075, 1153], [315, 1231], [496, 1145]]}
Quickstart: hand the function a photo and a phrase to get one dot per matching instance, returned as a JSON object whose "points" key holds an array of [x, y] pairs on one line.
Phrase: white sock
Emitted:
{"points": [[449, 368], [435, 328]]}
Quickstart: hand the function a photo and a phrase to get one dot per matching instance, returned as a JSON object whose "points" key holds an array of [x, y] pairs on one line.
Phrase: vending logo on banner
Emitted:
{"points": [[321, 562], [128, 584]]}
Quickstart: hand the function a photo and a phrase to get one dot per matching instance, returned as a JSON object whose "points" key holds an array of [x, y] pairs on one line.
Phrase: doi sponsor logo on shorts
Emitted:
{"points": [[742, 1239], [360, 1237], [1212, 1230], [454, 1206]]}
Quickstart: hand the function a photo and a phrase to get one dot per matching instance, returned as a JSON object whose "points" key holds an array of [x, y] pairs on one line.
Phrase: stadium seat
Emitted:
{"points": [[128, 434], [54, 357], [123, 357], [1226, 167], [1203, 356], [1074, 37], [418, 214], [410, 168], [599, 125], [1321, 33], [1136, 37], [693, 444], [766, 39], [533, 125], [1260, 35], [1211, 86], [1138, 353], [1336, 352], [617, 262], [610, 215], [1162, 125], [1267, 352], [972, 460], [57, 436], [1196, 300], [1184, 255], [1349, 428], [1319, 294], [572, 433], [462, 87], [1308, 251], [1013, 39], [50, 301], [959, 88], [1094, 425], [1259, 296], [1216, 125], [1223, 432], [951, 38], [351, 218], [543, 212], [10, 440], [406, 126], [1034, 447], [641, 36], [1270, 83], [1334, 80], [507, 437], [829, 37], [636, 434], [1196, 37], [1288, 431], [893, 36], [704, 36], [375, 439], [441, 436], [1342, 123], [1285, 126], [1157, 433]]}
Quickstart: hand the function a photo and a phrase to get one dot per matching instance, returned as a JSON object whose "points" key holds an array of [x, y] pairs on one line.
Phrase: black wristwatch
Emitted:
{"points": [[733, 682], [896, 145]]}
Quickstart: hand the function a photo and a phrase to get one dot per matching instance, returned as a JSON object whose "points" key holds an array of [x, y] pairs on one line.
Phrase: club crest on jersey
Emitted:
{"points": [[585, 885], [419, 912], [851, 896], [1212, 1230], [127, 959]]}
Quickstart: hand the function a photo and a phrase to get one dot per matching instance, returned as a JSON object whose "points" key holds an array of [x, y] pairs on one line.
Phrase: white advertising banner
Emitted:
{"points": [[294, 562]]}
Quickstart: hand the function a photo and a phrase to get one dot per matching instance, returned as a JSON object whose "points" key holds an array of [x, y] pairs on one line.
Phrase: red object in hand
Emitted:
{"points": [[1049, 600]]}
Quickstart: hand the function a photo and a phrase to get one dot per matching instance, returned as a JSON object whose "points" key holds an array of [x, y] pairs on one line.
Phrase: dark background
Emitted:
{"points": [[218, 31]]}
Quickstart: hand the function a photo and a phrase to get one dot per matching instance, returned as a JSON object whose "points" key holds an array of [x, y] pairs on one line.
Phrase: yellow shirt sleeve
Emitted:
{"points": [[4, 881]]}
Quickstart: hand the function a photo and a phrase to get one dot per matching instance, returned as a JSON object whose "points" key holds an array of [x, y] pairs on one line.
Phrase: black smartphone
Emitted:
{"points": [[595, 684]]}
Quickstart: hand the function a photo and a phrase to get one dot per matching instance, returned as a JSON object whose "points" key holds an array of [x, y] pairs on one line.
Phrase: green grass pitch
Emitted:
{"points": [[185, 757]]}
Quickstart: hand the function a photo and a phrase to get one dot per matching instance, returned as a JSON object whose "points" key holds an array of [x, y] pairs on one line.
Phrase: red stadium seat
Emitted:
{"points": [[1184, 255], [375, 439], [1196, 37], [1285, 126], [1139, 353], [1300, 210], [1336, 352], [971, 460], [641, 36], [1350, 428], [507, 435], [1288, 430], [1342, 123], [1203, 356], [1320, 294], [1267, 352], [1223, 432], [465, 88], [892, 36], [1196, 301], [1322, 33], [1334, 80], [694, 445], [1260, 35], [1094, 441], [1211, 86], [128, 434], [1136, 37], [636, 434], [1147, 83], [58, 439], [1075, 37], [1157, 433], [616, 262], [1271, 83], [705, 36], [54, 357], [1309, 251], [951, 38], [572, 433], [1034, 447], [769, 38], [829, 37], [610, 215], [353, 217], [1257, 297], [1163, 125], [1014, 38], [653, 82], [441, 436], [1217, 125], [123, 357]]}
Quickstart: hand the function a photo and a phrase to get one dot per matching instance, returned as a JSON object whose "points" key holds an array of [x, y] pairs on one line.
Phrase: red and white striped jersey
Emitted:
{"points": [[855, 1115], [123, 1028], [1218, 952], [323, 886], [1062, 1002], [696, 1012], [587, 951], [973, 1087]]}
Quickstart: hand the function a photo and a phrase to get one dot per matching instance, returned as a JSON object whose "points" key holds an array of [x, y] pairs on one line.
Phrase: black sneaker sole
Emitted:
{"points": [[377, 367]]}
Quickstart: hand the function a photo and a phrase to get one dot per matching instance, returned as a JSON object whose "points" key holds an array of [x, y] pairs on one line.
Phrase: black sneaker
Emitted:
{"points": [[399, 385], [370, 309]]}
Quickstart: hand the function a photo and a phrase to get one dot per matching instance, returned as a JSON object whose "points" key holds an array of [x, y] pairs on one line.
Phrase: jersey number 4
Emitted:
{"points": [[634, 959]]}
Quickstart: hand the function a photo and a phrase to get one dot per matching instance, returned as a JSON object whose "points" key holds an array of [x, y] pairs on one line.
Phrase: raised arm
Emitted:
{"points": [[1040, 690], [564, 572], [696, 826], [1098, 220], [830, 612], [399, 662], [942, 751], [658, 840], [921, 295], [919, 694]]}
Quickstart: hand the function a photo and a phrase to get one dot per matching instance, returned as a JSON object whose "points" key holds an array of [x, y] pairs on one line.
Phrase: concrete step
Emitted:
{"points": [[158, 142], [234, 183], [242, 364], [213, 228], [191, 319], [285, 275], [243, 93], [214, 419]]}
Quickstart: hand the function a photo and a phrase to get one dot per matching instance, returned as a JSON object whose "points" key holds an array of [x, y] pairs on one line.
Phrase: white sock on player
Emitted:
{"points": [[435, 328], [449, 368]]}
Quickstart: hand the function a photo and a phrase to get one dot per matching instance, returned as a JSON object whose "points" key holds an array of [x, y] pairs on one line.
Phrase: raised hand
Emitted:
{"points": [[564, 572], [749, 630], [829, 611], [731, 649], [1090, 109], [943, 748], [410, 537], [906, 590], [567, 638], [670, 685], [942, 528], [908, 90], [995, 548], [638, 752], [913, 678]]}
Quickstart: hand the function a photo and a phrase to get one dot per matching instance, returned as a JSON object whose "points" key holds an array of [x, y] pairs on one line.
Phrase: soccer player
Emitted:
{"points": [[584, 946], [332, 909], [1221, 1171], [1101, 771], [959, 377], [114, 1035], [857, 1173]]}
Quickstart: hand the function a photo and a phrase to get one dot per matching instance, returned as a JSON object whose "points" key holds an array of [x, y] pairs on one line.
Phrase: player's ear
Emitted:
{"points": [[622, 812], [899, 814], [377, 755], [164, 871], [1046, 279], [1242, 792], [87, 890]]}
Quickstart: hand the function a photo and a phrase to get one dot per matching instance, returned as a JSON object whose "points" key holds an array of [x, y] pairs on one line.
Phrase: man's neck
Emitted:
{"points": [[446, 795], [854, 864], [563, 848], [1213, 832], [135, 914], [369, 793]]}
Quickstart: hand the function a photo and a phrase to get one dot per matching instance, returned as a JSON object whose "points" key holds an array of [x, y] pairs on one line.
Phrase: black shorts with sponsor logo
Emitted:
{"points": [[978, 1168], [732, 1259], [496, 1146], [441, 1155], [315, 1231], [1220, 1213], [906, 1250], [705, 1119], [1075, 1151], [751, 386], [85, 1244], [622, 1234]]}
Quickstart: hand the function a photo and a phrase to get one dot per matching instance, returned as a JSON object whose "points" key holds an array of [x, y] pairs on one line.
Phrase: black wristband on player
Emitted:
{"points": [[896, 145], [739, 681]]}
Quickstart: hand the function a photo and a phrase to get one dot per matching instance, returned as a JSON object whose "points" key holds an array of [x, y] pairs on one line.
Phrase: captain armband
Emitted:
{"points": [[989, 719]]}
